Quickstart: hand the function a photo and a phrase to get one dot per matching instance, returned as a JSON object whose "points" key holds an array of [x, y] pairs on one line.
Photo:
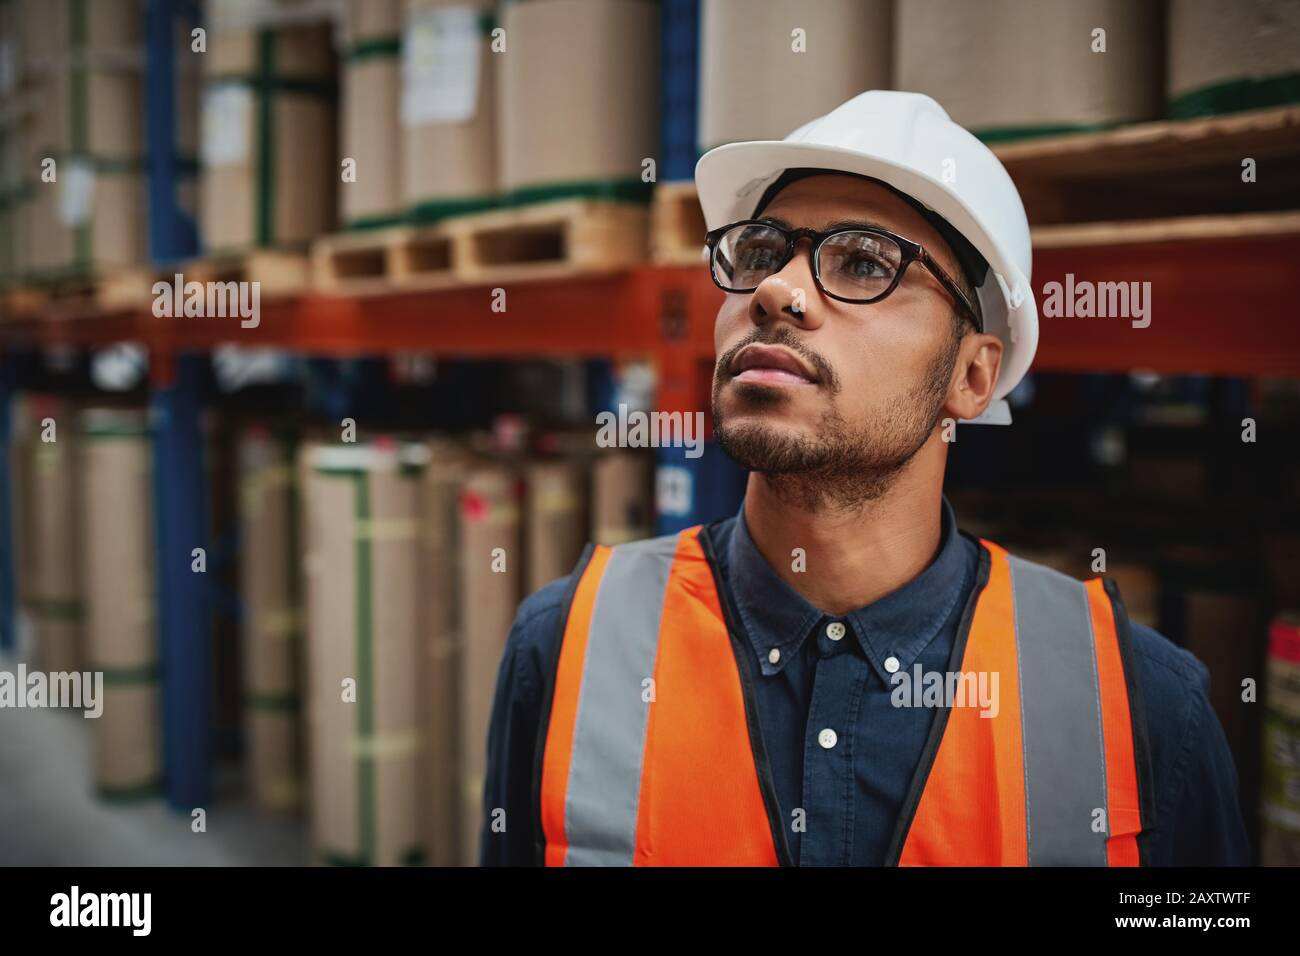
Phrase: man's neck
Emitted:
{"points": [[848, 558]]}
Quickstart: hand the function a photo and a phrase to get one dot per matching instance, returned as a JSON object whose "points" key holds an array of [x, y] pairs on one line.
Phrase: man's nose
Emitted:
{"points": [[789, 295]]}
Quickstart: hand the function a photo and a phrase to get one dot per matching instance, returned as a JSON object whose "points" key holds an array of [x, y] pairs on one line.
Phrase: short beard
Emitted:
{"points": [[845, 467]]}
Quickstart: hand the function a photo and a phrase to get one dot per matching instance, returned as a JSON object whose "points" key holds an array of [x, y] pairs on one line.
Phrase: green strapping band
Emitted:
{"points": [[619, 190], [363, 223], [412, 856], [435, 210], [62, 609], [265, 135], [365, 673], [375, 48], [303, 86], [1235, 96], [128, 676], [1010, 134], [114, 431], [280, 703], [106, 165], [336, 858], [128, 794]]}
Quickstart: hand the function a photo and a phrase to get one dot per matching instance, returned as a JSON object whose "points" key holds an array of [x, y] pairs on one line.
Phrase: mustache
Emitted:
{"points": [[781, 334]]}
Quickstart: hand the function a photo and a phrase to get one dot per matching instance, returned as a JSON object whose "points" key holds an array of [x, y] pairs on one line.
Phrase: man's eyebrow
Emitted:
{"points": [[837, 224], [855, 224]]}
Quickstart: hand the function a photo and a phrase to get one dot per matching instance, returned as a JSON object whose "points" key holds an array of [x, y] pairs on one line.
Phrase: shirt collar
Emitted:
{"points": [[899, 625]]}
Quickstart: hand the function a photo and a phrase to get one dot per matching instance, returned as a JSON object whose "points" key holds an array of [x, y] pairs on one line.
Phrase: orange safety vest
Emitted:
{"points": [[650, 656]]}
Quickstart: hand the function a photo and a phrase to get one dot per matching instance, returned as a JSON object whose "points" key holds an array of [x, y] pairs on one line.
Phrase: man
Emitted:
{"points": [[742, 693]]}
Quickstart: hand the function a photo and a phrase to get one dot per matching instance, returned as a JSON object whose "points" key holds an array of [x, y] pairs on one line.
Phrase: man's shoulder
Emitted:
{"points": [[1174, 685], [1173, 664]]}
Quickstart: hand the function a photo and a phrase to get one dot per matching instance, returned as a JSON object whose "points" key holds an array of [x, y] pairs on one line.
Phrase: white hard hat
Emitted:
{"points": [[907, 141]]}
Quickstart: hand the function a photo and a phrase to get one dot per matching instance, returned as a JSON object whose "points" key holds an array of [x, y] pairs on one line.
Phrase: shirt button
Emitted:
{"points": [[773, 656], [827, 739], [835, 630], [891, 664]]}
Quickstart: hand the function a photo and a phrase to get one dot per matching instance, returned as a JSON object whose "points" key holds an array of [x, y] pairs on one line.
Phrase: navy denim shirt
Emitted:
{"points": [[851, 793]]}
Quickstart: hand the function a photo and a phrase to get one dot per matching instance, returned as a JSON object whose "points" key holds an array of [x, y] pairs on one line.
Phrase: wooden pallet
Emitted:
{"points": [[677, 225], [278, 272], [547, 240], [354, 262], [124, 288], [1160, 169], [421, 257]]}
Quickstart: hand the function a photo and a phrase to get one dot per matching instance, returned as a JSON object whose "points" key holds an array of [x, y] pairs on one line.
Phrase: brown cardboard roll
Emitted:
{"points": [[362, 508], [120, 630], [372, 91], [370, 112], [373, 19], [273, 760], [1240, 58], [272, 622], [761, 79], [89, 220], [256, 191], [440, 628], [46, 30], [1008, 67], [43, 34], [579, 92], [491, 575], [622, 497], [557, 521], [448, 115], [49, 245], [127, 740], [22, 500], [55, 556]]}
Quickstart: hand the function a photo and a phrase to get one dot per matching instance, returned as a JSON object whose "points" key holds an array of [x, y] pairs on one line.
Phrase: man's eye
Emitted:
{"points": [[867, 267], [757, 257]]}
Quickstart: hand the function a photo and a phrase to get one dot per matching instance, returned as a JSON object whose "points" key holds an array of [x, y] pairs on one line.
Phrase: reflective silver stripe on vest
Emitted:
{"points": [[600, 803], [1060, 706]]}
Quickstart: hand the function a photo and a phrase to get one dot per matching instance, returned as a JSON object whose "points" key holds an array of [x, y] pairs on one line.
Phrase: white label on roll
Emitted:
{"points": [[76, 191], [227, 112], [440, 66]]}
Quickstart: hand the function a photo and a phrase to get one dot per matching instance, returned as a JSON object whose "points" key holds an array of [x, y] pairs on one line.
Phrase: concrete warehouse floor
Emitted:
{"points": [[49, 815]]}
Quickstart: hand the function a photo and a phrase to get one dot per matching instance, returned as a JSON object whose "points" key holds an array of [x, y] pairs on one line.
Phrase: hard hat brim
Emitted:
{"points": [[731, 178]]}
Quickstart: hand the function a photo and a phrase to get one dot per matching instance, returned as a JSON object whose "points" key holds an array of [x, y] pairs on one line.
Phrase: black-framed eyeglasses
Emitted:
{"points": [[850, 263]]}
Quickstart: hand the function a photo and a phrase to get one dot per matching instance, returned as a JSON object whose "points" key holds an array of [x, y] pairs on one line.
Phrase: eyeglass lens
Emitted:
{"points": [[852, 265]]}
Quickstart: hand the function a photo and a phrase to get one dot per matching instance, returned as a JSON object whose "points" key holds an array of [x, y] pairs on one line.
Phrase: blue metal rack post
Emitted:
{"points": [[680, 50], [184, 628], [180, 525]]}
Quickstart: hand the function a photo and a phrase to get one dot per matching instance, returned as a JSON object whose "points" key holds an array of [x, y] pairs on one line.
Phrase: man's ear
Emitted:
{"points": [[974, 375]]}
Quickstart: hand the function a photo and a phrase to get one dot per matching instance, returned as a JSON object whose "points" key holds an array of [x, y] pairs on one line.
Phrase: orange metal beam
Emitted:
{"points": [[1219, 307]]}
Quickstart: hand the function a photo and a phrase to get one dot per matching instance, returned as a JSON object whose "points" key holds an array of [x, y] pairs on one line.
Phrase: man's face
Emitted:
{"points": [[845, 392]]}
